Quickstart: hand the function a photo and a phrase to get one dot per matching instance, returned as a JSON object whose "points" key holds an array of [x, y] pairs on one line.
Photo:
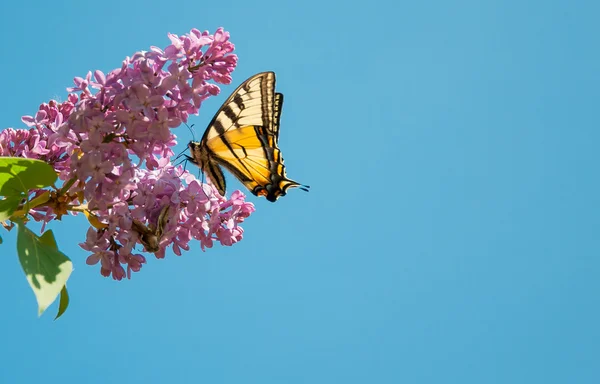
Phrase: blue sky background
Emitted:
{"points": [[450, 236]]}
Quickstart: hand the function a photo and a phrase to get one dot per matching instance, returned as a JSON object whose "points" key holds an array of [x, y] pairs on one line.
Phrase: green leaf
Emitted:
{"points": [[63, 303], [48, 239], [46, 268], [8, 206], [18, 175]]}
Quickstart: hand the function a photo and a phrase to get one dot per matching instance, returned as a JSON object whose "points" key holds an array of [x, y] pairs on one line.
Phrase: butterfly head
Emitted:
{"points": [[197, 154]]}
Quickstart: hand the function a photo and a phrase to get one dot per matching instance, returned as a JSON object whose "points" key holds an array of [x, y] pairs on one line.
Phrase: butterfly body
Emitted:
{"points": [[243, 138]]}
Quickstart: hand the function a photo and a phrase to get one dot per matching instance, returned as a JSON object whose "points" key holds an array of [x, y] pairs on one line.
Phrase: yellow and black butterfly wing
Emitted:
{"points": [[242, 138]]}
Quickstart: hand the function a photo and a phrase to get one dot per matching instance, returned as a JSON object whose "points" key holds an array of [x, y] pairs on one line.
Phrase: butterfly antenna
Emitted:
{"points": [[191, 130]]}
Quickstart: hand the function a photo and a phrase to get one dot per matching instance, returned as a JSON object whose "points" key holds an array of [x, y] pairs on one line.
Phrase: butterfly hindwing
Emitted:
{"points": [[277, 114], [255, 160]]}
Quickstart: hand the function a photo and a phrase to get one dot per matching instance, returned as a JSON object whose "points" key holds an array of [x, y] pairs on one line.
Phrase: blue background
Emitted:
{"points": [[450, 236]]}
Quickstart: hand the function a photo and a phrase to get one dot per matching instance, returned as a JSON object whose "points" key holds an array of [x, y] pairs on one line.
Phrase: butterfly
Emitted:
{"points": [[150, 236], [242, 138]]}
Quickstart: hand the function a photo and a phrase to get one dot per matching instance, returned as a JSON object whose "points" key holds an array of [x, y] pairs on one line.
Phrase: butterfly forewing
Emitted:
{"points": [[250, 104]]}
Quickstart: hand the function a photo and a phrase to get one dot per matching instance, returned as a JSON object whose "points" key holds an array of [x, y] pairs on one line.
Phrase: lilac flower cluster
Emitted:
{"points": [[110, 144]]}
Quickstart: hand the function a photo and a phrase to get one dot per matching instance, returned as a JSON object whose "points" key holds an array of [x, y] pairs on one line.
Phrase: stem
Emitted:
{"points": [[67, 186]]}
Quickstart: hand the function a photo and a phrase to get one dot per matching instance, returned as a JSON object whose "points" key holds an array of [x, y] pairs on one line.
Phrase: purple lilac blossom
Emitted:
{"points": [[112, 139]]}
